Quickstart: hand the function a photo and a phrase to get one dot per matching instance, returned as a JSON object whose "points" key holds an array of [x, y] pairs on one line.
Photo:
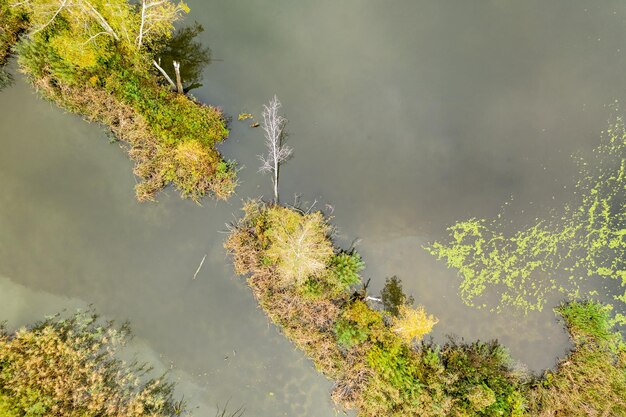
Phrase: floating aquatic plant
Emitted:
{"points": [[587, 241]]}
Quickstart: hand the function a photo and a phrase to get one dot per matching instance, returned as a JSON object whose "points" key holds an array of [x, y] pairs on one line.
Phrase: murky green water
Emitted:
{"points": [[405, 116]]}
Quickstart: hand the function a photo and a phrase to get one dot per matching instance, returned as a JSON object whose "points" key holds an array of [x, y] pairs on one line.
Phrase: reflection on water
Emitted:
{"points": [[184, 48], [405, 116]]}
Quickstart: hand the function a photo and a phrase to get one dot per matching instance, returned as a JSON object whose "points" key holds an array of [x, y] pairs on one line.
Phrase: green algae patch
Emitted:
{"points": [[585, 241]]}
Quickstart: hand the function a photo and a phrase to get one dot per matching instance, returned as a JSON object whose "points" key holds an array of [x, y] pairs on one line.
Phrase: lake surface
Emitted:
{"points": [[405, 116]]}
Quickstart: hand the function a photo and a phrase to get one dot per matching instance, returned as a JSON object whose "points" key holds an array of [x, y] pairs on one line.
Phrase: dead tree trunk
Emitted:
{"points": [[162, 71], [179, 81]]}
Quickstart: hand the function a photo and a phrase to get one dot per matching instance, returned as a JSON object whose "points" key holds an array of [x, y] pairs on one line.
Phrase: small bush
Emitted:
{"points": [[5, 79], [343, 270], [413, 323], [357, 324], [488, 367], [349, 333], [297, 244], [480, 397], [12, 24]]}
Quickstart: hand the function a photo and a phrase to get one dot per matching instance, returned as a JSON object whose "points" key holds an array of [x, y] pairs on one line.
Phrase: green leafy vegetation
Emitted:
{"points": [[349, 333], [381, 371], [70, 367], [98, 58], [345, 268], [586, 240]]}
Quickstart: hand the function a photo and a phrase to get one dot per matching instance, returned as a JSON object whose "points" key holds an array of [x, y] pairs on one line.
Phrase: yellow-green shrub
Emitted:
{"points": [[69, 368], [297, 244]]}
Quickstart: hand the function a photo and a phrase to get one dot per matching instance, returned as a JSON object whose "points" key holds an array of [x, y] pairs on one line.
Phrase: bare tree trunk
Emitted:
{"points": [[143, 21], [162, 71], [105, 25], [273, 124], [179, 81], [63, 3], [277, 166]]}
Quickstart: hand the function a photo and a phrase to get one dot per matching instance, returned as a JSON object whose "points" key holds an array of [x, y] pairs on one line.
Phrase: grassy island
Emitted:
{"points": [[70, 368], [311, 290], [98, 59]]}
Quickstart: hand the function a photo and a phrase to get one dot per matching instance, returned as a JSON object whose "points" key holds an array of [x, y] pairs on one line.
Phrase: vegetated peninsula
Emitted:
{"points": [[97, 58], [380, 365]]}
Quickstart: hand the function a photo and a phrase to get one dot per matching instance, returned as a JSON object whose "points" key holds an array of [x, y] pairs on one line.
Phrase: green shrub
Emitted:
{"points": [[485, 367], [480, 397], [394, 384], [349, 333], [5, 78], [312, 288], [343, 271], [12, 24]]}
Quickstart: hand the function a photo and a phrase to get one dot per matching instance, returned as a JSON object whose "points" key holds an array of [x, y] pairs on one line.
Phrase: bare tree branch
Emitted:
{"points": [[162, 71], [61, 7], [157, 13], [103, 22], [278, 152]]}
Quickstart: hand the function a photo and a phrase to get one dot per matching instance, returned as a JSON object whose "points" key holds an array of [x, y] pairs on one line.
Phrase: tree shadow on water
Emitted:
{"points": [[184, 48]]}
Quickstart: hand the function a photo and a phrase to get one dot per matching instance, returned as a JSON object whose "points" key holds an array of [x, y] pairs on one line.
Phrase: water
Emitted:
{"points": [[405, 117]]}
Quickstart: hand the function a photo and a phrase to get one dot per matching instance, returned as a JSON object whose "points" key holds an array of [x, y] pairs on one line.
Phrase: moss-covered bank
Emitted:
{"points": [[96, 58], [307, 287]]}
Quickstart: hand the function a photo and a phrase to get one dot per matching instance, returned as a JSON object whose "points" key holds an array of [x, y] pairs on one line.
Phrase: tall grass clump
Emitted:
{"points": [[591, 380], [70, 367]]}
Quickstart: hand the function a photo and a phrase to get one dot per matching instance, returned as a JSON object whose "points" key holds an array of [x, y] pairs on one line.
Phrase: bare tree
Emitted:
{"points": [[162, 71], [277, 151], [157, 17], [78, 10]]}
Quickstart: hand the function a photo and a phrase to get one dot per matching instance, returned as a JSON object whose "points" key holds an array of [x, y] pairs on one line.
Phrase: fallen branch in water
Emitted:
{"points": [[199, 267]]}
